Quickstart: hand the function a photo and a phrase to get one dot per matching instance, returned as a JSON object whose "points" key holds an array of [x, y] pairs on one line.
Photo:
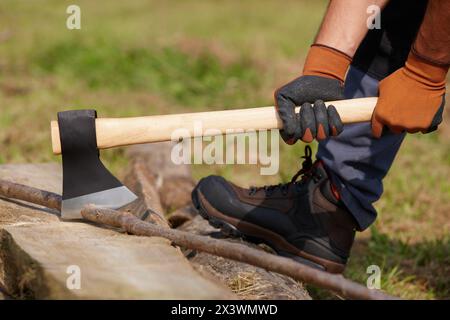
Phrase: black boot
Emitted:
{"points": [[300, 219]]}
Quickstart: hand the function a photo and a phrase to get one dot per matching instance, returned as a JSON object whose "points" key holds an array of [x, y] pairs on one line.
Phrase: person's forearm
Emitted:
{"points": [[433, 39], [345, 24]]}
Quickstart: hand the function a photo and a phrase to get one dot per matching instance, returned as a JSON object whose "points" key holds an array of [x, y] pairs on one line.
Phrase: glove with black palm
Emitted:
{"points": [[322, 80]]}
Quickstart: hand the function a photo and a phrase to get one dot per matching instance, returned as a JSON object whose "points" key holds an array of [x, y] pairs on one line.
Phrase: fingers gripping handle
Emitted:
{"points": [[115, 132]]}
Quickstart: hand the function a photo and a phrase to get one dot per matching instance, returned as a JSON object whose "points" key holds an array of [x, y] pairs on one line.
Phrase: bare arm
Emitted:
{"points": [[345, 24]]}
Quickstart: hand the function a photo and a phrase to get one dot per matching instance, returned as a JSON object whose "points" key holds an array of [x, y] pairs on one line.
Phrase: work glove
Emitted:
{"points": [[411, 99], [322, 80]]}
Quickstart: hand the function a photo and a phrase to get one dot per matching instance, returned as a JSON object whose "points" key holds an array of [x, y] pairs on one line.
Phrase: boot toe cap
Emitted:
{"points": [[217, 191]]}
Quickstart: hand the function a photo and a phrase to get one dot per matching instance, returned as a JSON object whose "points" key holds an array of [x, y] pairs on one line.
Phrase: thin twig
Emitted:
{"points": [[234, 251], [33, 195]]}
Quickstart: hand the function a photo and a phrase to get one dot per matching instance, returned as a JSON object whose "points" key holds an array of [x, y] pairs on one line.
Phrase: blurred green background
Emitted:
{"points": [[139, 57]]}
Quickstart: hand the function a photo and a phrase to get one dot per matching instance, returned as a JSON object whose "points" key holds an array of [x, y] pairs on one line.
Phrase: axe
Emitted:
{"points": [[78, 135]]}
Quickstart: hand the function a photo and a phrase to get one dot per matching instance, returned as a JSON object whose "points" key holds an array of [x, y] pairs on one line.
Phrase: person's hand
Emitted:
{"points": [[322, 80], [314, 120], [411, 99]]}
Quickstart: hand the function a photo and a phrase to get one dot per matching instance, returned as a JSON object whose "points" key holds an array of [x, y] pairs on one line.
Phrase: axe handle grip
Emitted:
{"points": [[115, 132]]}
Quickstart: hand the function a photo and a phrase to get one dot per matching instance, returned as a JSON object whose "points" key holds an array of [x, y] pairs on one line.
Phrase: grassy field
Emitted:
{"points": [[141, 57]]}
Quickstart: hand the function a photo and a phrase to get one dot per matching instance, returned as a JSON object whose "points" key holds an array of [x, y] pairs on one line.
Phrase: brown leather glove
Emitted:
{"points": [[411, 99]]}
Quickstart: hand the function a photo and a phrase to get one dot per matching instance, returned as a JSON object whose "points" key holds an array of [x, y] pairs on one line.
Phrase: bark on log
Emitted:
{"points": [[173, 182], [181, 216], [141, 180], [3, 294]]}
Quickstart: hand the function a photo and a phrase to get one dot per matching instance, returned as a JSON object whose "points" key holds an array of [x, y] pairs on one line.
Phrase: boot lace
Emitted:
{"points": [[305, 172]]}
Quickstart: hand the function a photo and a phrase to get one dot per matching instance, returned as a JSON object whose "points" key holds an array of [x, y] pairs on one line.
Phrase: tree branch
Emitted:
{"points": [[29, 194], [234, 251]]}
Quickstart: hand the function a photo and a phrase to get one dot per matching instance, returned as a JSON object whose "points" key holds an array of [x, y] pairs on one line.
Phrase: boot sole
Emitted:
{"points": [[234, 227]]}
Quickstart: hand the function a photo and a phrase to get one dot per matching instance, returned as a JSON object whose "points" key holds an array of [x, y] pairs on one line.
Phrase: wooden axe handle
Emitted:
{"points": [[115, 132]]}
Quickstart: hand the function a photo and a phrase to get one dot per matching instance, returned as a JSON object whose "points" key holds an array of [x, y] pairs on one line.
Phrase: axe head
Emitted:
{"points": [[85, 179]]}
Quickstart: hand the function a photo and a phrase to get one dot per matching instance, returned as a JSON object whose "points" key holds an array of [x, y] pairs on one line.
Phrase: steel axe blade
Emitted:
{"points": [[85, 179]]}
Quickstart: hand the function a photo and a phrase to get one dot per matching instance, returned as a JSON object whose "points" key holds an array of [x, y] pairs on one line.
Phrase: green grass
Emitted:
{"points": [[141, 57], [414, 270], [200, 80]]}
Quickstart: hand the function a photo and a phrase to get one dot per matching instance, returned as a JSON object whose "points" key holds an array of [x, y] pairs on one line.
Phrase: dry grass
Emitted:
{"points": [[247, 285]]}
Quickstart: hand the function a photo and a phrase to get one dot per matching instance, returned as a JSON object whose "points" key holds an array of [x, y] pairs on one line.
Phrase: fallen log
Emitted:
{"points": [[142, 182], [134, 225], [173, 182], [37, 249]]}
